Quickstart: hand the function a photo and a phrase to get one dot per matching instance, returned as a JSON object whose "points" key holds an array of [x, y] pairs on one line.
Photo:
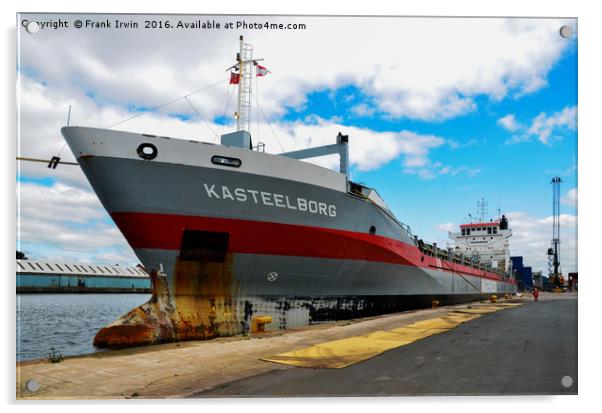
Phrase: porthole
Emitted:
{"points": [[147, 151], [372, 230]]}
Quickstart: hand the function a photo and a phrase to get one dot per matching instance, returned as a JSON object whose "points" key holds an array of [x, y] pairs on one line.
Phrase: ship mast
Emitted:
{"points": [[245, 63]]}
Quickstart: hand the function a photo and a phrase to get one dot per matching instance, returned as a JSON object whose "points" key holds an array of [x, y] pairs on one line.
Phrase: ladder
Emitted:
{"points": [[245, 64]]}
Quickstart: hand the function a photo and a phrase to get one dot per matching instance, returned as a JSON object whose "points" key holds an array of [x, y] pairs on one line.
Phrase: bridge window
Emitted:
{"points": [[463, 231]]}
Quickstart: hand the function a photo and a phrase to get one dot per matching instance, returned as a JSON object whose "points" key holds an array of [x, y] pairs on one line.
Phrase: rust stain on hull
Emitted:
{"points": [[200, 307]]}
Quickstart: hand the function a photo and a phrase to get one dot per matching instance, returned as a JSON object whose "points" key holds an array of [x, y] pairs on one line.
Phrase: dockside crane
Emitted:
{"points": [[553, 253]]}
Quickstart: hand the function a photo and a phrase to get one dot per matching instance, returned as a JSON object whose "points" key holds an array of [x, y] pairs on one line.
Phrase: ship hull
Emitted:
{"points": [[224, 246]]}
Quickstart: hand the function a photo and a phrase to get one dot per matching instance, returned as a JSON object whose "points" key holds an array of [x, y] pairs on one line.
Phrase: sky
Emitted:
{"points": [[440, 112]]}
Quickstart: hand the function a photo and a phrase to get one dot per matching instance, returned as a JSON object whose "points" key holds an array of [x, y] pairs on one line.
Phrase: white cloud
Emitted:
{"points": [[546, 128], [58, 202], [509, 123], [431, 170], [86, 238], [564, 172], [532, 237], [570, 198], [363, 110], [368, 149], [453, 144], [447, 227], [62, 219], [543, 126], [435, 78]]}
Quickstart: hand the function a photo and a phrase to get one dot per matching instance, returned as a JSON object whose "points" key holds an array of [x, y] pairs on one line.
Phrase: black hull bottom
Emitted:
{"points": [[345, 308]]}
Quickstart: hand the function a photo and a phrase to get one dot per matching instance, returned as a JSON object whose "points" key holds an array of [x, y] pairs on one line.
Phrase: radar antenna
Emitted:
{"points": [[482, 208]]}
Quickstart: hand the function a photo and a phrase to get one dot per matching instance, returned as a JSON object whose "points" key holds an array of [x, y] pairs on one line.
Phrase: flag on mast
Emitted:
{"points": [[234, 78], [262, 71]]}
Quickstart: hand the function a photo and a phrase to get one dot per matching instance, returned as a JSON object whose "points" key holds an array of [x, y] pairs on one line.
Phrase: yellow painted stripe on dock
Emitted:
{"points": [[480, 310], [345, 352]]}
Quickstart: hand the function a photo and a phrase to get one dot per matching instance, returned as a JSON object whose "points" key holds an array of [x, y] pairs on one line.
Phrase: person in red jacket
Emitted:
{"points": [[535, 294]]}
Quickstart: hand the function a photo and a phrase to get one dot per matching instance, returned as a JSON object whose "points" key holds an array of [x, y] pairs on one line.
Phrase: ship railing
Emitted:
{"points": [[407, 228], [463, 260], [433, 251]]}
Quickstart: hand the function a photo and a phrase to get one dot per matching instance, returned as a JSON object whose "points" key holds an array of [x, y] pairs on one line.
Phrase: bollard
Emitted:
{"points": [[493, 298], [258, 324], [435, 303]]}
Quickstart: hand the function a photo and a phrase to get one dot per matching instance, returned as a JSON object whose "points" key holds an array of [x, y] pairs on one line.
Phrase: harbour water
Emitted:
{"points": [[67, 322]]}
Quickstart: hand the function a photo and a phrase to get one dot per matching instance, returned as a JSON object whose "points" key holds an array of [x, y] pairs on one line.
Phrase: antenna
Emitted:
{"points": [[482, 208], [499, 207]]}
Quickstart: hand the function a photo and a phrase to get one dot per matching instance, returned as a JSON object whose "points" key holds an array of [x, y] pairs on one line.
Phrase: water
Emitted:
{"points": [[67, 322]]}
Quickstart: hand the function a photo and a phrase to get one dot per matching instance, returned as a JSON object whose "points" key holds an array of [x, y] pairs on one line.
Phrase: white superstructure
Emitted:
{"points": [[485, 242]]}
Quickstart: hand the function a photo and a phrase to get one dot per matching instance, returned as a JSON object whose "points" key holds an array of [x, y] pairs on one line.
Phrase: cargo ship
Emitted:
{"points": [[229, 233]]}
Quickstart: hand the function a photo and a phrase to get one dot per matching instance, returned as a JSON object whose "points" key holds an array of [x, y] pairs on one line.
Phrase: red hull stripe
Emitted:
{"points": [[164, 231]]}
